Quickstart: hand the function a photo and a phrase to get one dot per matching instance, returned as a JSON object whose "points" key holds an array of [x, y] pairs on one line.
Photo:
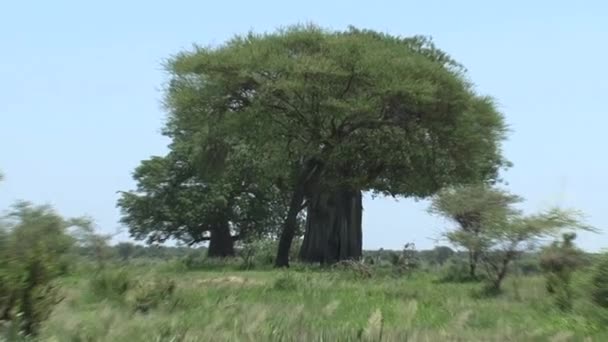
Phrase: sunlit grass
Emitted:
{"points": [[319, 305]]}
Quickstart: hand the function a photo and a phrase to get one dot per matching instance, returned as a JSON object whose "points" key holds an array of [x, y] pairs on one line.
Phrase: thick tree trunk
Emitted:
{"points": [[307, 175], [221, 243], [333, 227]]}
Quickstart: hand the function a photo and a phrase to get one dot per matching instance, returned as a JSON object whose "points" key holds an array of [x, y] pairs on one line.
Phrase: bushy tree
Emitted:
{"points": [[493, 231], [441, 254], [507, 240], [93, 245], [125, 250], [475, 209], [33, 239], [559, 261], [328, 115], [178, 198], [599, 290]]}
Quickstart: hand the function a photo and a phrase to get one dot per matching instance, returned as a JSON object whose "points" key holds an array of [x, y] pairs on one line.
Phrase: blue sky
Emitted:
{"points": [[80, 91]]}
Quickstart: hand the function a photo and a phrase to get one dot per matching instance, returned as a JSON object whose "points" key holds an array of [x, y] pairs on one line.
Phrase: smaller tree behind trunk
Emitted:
{"points": [[289, 228]]}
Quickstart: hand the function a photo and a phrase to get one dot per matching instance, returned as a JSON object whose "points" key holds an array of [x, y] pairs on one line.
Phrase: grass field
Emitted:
{"points": [[162, 303]]}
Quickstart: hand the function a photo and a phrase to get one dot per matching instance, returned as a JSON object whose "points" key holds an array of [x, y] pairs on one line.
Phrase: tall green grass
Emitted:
{"points": [[316, 304]]}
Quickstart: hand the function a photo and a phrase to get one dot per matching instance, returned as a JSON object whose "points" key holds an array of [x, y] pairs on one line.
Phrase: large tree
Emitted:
{"points": [[333, 114]]}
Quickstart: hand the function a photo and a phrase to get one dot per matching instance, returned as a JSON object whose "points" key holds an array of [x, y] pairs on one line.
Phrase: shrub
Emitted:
{"points": [[455, 271], [599, 291], [150, 294], [528, 266], [194, 261], [406, 261], [358, 269], [198, 261], [258, 253], [110, 283], [286, 282], [33, 243], [558, 262]]}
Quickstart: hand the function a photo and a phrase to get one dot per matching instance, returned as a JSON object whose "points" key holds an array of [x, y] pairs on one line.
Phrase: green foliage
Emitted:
{"points": [[493, 232], [228, 305], [509, 239], [528, 264], [407, 261], [286, 282], [312, 110], [355, 269], [258, 253], [474, 206], [197, 261], [94, 246], [149, 294], [558, 262], [125, 250], [441, 254], [178, 197], [599, 291], [455, 271], [194, 260], [34, 241], [475, 209], [111, 283]]}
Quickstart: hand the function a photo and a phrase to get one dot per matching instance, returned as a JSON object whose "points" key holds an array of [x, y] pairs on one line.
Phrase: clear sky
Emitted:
{"points": [[80, 94]]}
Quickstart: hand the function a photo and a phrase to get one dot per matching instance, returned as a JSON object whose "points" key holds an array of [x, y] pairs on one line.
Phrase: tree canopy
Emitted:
{"points": [[325, 115], [175, 199]]}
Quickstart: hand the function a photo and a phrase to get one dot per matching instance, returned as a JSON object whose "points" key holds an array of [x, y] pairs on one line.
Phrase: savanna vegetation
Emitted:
{"points": [[250, 227]]}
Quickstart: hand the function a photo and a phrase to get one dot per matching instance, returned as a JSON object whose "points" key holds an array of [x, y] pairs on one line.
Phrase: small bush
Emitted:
{"points": [[406, 261], [194, 261], [34, 243], [358, 269], [558, 262], [258, 253], [197, 261], [599, 291], [528, 267], [455, 271], [150, 294], [110, 283], [286, 282]]}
